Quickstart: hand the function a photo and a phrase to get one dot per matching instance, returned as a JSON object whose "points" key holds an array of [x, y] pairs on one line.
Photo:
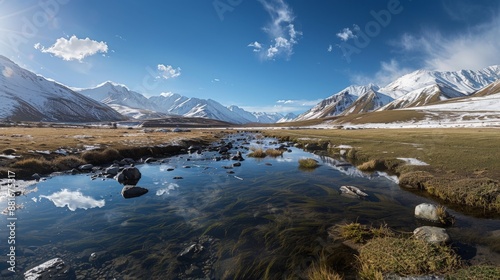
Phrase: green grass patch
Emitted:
{"points": [[308, 163]]}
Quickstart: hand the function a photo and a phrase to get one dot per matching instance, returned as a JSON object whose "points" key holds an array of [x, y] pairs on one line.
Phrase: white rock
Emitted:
{"points": [[434, 235], [427, 211]]}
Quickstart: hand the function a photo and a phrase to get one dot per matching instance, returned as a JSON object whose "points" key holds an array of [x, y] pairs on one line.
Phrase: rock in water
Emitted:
{"points": [[133, 191], [427, 211], [53, 269], [129, 176], [433, 235]]}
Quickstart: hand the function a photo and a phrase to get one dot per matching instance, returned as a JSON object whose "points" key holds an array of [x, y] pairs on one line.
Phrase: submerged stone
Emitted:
{"points": [[52, 269]]}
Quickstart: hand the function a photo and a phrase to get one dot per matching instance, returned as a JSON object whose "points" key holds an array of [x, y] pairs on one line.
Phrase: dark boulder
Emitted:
{"points": [[133, 191], [129, 176]]}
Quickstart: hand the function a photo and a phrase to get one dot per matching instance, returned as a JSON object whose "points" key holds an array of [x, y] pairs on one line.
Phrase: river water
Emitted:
{"points": [[204, 219]]}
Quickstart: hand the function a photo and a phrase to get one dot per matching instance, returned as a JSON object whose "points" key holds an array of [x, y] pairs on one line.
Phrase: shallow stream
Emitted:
{"points": [[265, 218]]}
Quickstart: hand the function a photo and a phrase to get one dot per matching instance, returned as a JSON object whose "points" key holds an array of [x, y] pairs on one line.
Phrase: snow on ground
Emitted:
{"points": [[413, 161], [466, 112]]}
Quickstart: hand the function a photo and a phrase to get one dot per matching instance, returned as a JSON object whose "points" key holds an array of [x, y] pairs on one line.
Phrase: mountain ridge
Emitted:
{"points": [[419, 88], [26, 96]]}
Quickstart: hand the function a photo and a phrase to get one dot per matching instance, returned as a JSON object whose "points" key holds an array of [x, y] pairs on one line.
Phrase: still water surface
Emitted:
{"points": [[266, 218]]}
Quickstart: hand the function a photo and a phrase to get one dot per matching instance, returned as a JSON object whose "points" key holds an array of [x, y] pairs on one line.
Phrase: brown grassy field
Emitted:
{"points": [[468, 152], [112, 143], [463, 163]]}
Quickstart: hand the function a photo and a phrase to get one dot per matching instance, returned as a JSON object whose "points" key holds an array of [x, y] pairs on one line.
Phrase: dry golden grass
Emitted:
{"points": [[462, 150], [46, 138], [63, 163], [372, 165], [308, 163], [114, 143], [274, 152], [257, 153], [463, 163], [322, 272], [405, 257]]}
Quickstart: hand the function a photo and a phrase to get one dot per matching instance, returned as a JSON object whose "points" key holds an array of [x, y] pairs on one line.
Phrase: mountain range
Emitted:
{"points": [[26, 96], [419, 88], [135, 105]]}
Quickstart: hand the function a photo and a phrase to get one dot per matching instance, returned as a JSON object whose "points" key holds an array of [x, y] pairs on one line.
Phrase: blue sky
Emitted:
{"points": [[262, 55]]}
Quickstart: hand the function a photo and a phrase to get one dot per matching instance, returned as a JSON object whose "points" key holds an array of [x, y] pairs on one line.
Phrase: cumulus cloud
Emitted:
{"points": [[74, 48], [474, 49], [257, 47], [347, 33], [168, 71], [281, 31]]}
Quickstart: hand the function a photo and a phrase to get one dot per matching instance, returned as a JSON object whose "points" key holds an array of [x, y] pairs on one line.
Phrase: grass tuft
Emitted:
{"points": [[359, 233], [100, 157], [308, 163], [322, 272], [33, 165], [405, 257], [372, 165], [274, 152], [66, 163], [476, 272], [257, 153]]}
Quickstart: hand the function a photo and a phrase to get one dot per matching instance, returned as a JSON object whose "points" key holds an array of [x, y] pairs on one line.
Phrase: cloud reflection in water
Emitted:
{"points": [[73, 200]]}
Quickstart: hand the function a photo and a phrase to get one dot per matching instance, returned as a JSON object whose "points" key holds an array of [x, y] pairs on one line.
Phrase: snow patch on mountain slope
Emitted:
{"points": [[30, 97]]}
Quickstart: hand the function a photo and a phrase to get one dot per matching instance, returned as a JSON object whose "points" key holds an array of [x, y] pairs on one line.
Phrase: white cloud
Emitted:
{"points": [[474, 49], [330, 48], [215, 80], [389, 71], [168, 72], [281, 30], [347, 33], [257, 47], [74, 48]]}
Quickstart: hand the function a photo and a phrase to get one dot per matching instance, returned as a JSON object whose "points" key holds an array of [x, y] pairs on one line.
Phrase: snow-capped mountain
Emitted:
{"points": [[340, 102], [136, 105], [287, 118], [113, 93], [419, 88], [25, 96], [423, 96], [464, 81], [490, 89]]}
